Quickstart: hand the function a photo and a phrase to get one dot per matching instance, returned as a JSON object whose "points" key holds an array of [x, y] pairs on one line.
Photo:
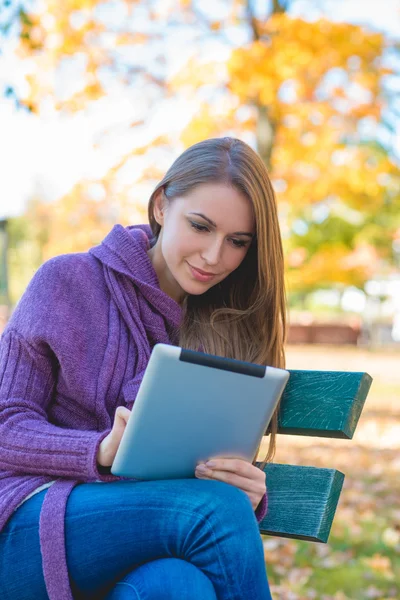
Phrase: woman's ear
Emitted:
{"points": [[159, 206]]}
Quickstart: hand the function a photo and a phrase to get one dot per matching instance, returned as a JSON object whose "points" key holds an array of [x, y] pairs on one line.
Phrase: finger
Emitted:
{"points": [[254, 497], [236, 465], [245, 484], [255, 494], [123, 413], [119, 425], [255, 500]]}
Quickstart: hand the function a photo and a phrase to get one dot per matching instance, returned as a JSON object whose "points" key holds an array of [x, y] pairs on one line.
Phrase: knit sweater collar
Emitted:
{"points": [[124, 250]]}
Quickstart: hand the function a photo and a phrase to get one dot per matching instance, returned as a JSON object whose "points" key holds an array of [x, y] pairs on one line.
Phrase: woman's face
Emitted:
{"points": [[205, 236]]}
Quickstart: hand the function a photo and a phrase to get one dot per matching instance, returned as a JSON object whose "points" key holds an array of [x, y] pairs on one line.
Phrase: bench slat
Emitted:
{"points": [[323, 403], [301, 501]]}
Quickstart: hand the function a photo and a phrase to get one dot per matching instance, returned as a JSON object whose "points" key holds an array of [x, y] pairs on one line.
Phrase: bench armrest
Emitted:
{"points": [[301, 501]]}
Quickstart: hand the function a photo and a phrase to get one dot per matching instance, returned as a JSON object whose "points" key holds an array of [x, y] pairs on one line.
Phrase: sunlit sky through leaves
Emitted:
{"points": [[46, 155]]}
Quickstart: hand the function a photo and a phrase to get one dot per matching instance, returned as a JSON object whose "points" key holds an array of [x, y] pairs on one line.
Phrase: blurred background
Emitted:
{"points": [[97, 98]]}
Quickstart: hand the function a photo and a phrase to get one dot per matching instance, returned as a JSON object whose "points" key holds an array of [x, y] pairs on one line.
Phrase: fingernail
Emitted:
{"points": [[211, 463], [201, 468]]}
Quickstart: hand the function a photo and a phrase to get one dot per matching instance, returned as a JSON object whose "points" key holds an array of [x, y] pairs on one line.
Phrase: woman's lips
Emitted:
{"points": [[201, 275]]}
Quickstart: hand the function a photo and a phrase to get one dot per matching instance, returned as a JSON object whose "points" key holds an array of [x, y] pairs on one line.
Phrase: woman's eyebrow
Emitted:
{"points": [[250, 235]]}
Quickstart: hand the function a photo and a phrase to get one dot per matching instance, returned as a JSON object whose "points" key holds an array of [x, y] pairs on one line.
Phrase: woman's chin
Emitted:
{"points": [[195, 288]]}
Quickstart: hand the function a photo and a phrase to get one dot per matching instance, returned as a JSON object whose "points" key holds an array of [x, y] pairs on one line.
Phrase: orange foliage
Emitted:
{"points": [[314, 81], [79, 221]]}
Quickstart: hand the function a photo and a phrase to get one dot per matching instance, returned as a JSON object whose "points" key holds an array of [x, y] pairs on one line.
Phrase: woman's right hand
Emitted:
{"points": [[109, 446]]}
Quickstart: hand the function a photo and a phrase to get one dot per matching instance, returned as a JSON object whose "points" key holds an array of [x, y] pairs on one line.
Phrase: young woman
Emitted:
{"points": [[207, 274]]}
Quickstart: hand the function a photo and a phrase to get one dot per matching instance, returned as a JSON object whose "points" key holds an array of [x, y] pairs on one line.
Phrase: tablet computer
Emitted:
{"points": [[191, 407]]}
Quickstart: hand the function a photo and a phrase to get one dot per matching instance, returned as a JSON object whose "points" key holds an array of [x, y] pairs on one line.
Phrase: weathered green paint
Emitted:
{"points": [[323, 403], [301, 501]]}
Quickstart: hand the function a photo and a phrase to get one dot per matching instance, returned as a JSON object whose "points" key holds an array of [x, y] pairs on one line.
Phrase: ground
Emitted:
{"points": [[362, 558]]}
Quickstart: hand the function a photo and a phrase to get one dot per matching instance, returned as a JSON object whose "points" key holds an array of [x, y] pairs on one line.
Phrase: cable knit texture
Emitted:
{"points": [[75, 349]]}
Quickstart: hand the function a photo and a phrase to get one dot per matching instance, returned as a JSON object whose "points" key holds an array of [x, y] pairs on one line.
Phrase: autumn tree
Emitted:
{"points": [[312, 96], [316, 97]]}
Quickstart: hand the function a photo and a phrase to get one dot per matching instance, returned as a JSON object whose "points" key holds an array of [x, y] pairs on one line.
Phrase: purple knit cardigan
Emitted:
{"points": [[75, 349]]}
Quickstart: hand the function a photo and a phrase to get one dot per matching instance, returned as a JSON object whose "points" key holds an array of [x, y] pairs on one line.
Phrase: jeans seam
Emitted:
{"points": [[207, 522], [129, 585]]}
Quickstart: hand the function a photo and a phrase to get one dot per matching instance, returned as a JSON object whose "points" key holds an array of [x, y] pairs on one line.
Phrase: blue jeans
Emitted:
{"points": [[157, 540]]}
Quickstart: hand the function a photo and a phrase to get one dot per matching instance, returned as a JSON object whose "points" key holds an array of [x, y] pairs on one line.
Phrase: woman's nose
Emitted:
{"points": [[211, 254]]}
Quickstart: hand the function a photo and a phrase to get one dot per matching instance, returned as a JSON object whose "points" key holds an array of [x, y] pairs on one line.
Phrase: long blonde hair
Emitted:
{"points": [[244, 316]]}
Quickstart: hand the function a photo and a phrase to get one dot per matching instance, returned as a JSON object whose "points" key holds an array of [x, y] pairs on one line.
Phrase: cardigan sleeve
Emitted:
{"points": [[29, 443], [261, 509]]}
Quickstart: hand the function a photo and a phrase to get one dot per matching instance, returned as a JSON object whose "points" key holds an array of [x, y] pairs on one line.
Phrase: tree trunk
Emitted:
{"points": [[265, 135], [265, 126]]}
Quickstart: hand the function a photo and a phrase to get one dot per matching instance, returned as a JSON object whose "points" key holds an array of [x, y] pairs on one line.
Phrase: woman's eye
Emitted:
{"points": [[198, 227], [239, 243]]}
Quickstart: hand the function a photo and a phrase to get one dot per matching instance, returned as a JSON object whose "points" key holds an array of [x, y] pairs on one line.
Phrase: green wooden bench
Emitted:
{"points": [[302, 500]]}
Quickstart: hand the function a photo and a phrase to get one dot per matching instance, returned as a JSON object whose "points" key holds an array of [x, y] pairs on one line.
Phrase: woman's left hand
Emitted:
{"points": [[237, 472]]}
